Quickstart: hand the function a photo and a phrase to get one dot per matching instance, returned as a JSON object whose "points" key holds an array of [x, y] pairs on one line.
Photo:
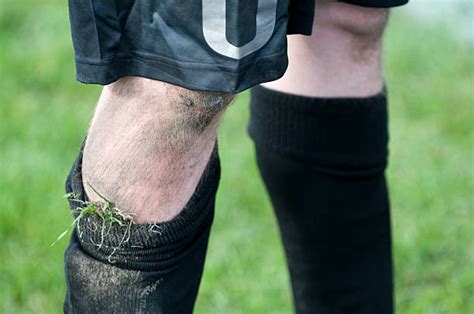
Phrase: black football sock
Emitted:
{"points": [[139, 268], [323, 161]]}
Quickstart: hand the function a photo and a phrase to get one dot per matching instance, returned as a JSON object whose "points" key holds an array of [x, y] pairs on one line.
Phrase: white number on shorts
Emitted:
{"points": [[214, 27]]}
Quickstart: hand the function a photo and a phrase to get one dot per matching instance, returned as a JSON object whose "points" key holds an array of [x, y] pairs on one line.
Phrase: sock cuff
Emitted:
{"points": [[353, 128], [143, 246], [323, 105]]}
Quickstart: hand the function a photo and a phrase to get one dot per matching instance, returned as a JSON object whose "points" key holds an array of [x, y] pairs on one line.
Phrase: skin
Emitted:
{"points": [[149, 142], [342, 57]]}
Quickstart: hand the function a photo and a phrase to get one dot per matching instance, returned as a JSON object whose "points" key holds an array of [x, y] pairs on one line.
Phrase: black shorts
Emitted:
{"points": [[214, 45]]}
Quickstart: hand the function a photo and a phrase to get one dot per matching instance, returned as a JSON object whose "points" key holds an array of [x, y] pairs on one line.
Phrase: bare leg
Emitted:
{"points": [[148, 145], [342, 56]]}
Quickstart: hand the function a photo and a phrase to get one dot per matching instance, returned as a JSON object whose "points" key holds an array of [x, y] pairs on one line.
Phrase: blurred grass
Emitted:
{"points": [[44, 115]]}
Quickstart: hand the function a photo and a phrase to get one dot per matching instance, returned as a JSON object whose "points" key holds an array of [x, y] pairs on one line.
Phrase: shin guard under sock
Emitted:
{"points": [[322, 161], [141, 268]]}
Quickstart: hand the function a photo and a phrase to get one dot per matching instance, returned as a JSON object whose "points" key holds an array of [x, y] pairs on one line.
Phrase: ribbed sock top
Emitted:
{"points": [[139, 245], [320, 128]]}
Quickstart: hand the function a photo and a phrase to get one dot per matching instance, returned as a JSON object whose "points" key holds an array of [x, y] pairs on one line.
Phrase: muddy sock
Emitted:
{"points": [[322, 161], [139, 268]]}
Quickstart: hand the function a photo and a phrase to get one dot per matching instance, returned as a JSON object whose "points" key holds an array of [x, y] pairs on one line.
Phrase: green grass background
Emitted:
{"points": [[44, 115]]}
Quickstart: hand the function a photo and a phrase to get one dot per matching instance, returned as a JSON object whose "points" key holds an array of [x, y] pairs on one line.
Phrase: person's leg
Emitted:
{"points": [[341, 57], [321, 142], [148, 145], [151, 148], [151, 151]]}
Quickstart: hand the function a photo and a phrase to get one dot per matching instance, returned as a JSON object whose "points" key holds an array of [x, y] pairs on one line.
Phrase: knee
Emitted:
{"points": [[359, 26], [149, 140], [168, 105], [361, 22], [158, 113]]}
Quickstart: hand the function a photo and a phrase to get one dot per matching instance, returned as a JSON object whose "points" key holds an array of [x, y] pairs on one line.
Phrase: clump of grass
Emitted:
{"points": [[107, 214]]}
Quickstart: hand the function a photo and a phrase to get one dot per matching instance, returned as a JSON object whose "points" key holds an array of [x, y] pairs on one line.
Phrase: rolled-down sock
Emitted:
{"points": [[139, 268], [323, 161]]}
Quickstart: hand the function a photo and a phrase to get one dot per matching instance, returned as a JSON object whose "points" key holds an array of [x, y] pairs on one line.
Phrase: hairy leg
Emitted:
{"points": [[148, 145], [150, 151]]}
